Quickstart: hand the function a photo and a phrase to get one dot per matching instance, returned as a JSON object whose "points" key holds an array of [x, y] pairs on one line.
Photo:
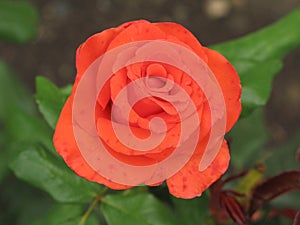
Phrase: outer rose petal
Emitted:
{"points": [[184, 35], [65, 144], [230, 84], [141, 31], [189, 182], [93, 48], [97, 45], [89, 51]]}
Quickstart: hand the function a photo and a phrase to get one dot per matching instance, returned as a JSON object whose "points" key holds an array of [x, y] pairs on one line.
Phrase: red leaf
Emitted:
{"points": [[218, 207], [234, 209], [273, 187], [218, 212], [297, 219]]}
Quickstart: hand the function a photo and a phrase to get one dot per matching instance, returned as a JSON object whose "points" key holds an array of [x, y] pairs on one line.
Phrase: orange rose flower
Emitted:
{"points": [[130, 79]]}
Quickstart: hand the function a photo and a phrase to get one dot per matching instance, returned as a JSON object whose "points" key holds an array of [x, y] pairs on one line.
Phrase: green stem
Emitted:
{"points": [[88, 212], [92, 206]]}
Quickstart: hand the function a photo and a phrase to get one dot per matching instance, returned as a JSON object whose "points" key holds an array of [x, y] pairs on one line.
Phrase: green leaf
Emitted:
{"points": [[25, 129], [192, 211], [257, 84], [18, 21], [21, 203], [66, 214], [247, 139], [44, 171], [15, 99], [50, 99], [141, 208], [257, 58]]}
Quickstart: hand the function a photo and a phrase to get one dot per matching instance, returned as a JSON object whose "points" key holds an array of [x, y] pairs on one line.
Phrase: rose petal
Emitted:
{"points": [[156, 69], [117, 82], [147, 31], [89, 51], [146, 107], [107, 134], [142, 30], [94, 47], [65, 144], [184, 35], [189, 182], [229, 82]]}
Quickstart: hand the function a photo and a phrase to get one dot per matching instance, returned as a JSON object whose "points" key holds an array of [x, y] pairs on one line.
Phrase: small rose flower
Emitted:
{"points": [[172, 95]]}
